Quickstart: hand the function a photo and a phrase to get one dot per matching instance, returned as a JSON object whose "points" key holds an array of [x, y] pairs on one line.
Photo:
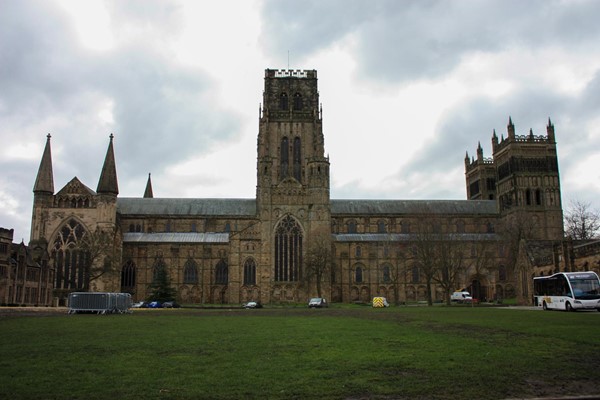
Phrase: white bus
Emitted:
{"points": [[567, 291]]}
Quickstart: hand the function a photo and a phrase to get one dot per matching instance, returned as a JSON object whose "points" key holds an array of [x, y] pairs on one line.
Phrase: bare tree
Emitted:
{"points": [[319, 259], [482, 260], [426, 250], [450, 264], [582, 222], [102, 255]]}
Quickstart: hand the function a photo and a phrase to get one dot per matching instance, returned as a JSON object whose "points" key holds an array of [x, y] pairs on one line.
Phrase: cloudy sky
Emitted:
{"points": [[406, 86]]}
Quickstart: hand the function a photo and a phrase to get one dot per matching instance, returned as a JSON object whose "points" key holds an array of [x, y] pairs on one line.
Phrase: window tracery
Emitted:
{"points": [[288, 250]]}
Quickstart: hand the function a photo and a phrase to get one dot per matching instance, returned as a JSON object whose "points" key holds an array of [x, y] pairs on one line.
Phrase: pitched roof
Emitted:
{"points": [[414, 207], [406, 237], [164, 206], [178, 237]]}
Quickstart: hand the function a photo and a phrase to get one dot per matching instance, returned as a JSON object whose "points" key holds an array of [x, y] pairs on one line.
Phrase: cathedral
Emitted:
{"points": [[293, 241]]}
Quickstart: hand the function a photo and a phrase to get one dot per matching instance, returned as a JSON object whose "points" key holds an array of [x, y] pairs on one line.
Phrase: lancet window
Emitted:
{"points": [[297, 159], [250, 272], [128, 276], [190, 272], [221, 273], [285, 158]]}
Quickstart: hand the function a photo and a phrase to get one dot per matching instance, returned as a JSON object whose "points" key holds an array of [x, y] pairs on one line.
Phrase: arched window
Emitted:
{"points": [[285, 158], [283, 101], [288, 250], [358, 274], [190, 272], [405, 227], [131, 228], [415, 274], [381, 226], [538, 197], [502, 273], [528, 197], [71, 257], [297, 102], [352, 226], [221, 273], [250, 272], [297, 160], [128, 276], [358, 251], [158, 267], [227, 227], [386, 276]]}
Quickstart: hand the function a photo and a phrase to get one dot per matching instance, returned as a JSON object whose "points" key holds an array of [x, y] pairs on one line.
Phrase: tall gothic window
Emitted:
{"points": [[297, 159], [283, 101], [190, 272], [159, 265], [386, 276], [297, 102], [69, 258], [288, 250], [285, 157], [221, 273], [250, 272], [358, 274], [128, 276]]}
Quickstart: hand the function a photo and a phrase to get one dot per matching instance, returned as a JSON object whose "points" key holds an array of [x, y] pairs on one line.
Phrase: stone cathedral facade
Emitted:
{"points": [[230, 251]]}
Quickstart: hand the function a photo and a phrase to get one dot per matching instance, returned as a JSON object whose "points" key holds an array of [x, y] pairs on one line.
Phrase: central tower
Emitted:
{"points": [[292, 192]]}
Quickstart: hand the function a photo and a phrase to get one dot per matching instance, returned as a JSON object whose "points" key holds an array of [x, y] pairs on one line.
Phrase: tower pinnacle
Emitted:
{"points": [[44, 183], [108, 177]]}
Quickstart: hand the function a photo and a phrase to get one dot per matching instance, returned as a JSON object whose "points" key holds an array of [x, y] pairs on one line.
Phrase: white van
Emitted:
{"points": [[461, 297]]}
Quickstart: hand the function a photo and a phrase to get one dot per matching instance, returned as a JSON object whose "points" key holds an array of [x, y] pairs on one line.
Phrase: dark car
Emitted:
{"points": [[317, 302], [253, 304], [171, 304]]}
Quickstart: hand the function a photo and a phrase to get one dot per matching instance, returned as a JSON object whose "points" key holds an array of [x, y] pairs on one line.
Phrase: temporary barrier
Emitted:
{"points": [[99, 303], [380, 302]]}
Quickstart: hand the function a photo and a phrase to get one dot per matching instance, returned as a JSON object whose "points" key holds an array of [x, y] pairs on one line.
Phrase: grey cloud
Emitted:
{"points": [[162, 112], [403, 40]]}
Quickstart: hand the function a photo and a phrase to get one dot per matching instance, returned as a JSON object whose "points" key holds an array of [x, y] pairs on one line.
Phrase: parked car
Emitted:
{"points": [[317, 302], [155, 304], [252, 304], [170, 304], [139, 304]]}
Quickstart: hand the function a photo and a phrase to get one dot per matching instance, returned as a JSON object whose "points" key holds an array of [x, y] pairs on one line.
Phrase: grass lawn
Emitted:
{"points": [[336, 353]]}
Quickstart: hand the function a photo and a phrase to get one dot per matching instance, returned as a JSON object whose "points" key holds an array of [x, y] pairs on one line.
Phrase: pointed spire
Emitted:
{"points": [[44, 183], [550, 131], [511, 128], [148, 192], [479, 152], [494, 142], [108, 176]]}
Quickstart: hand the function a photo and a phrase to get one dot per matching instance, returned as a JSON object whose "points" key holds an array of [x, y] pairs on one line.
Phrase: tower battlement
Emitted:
{"points": [[290, 73]]}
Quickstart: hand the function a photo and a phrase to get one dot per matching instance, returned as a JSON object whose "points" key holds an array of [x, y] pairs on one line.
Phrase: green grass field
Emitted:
{"points": [[336, 353]]}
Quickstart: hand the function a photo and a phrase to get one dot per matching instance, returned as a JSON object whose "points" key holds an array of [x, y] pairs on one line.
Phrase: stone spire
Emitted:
{"points": [[108, 178], [44, 183], [148, 192]]}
